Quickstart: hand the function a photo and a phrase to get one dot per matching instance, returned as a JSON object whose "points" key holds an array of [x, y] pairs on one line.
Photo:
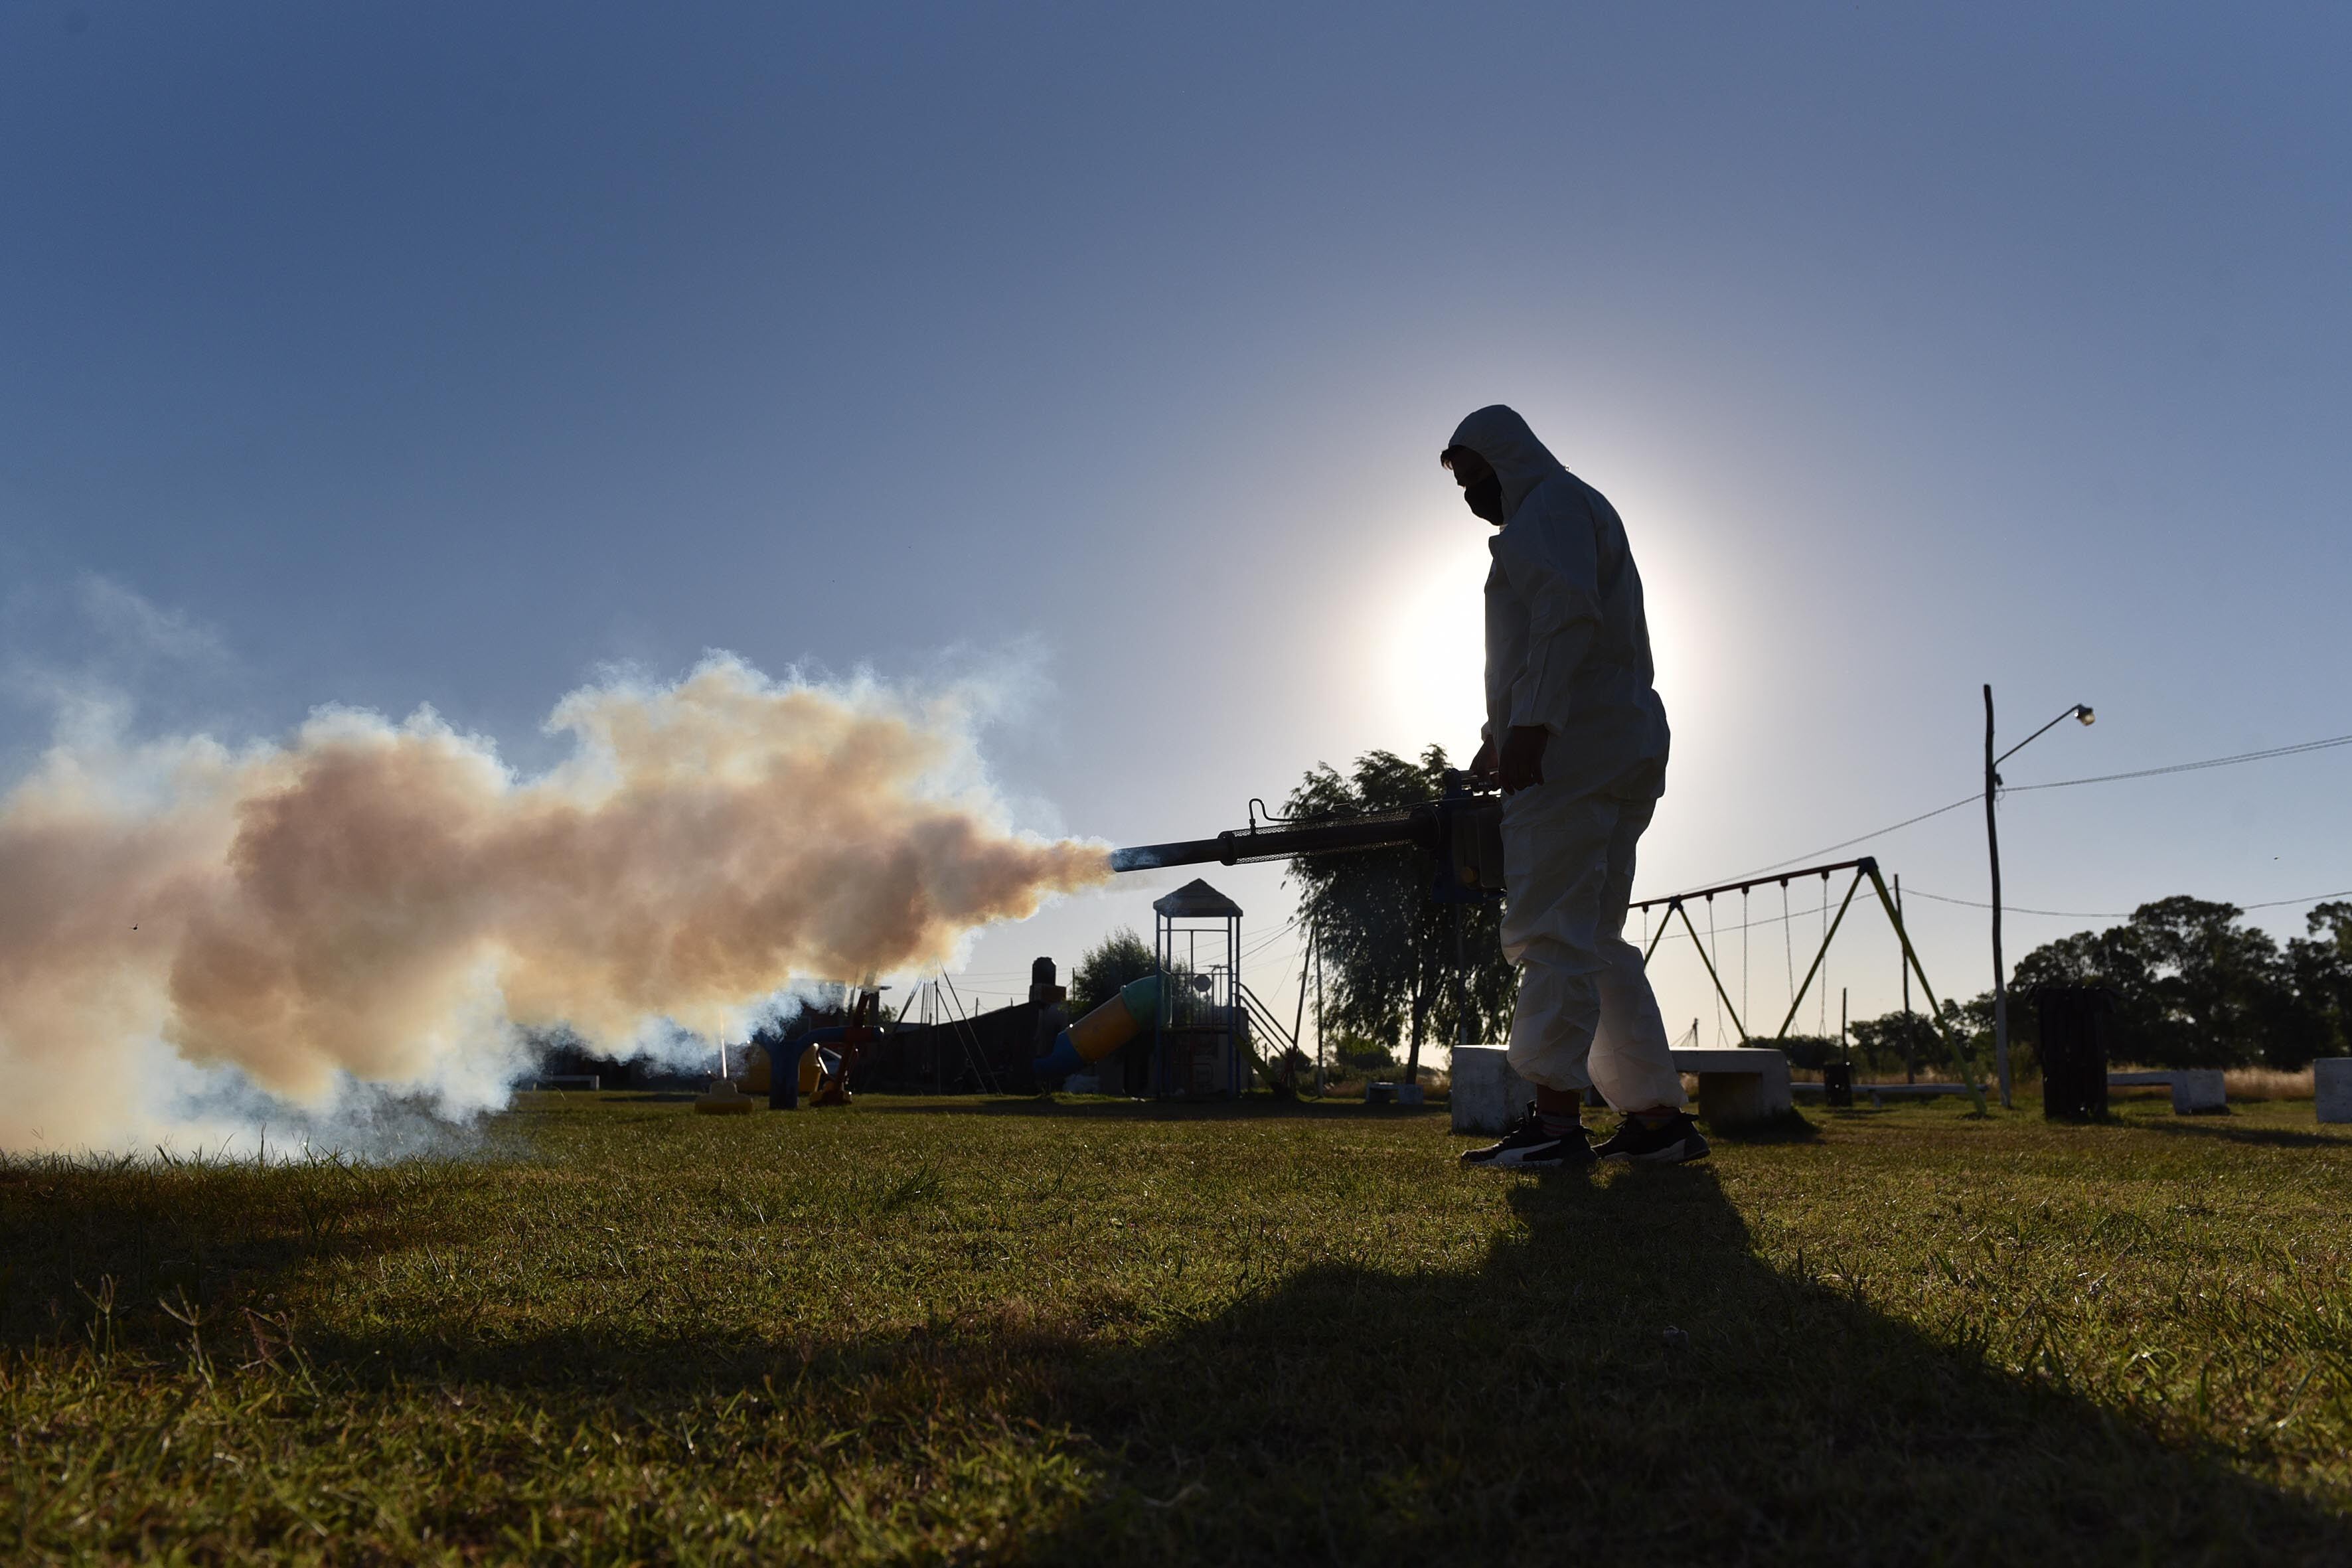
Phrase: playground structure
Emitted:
{"points": [[1197, 1019], [1192, 1022], [1864, 868], [1085, 1042], [1200, 1038], [1462, 831]]}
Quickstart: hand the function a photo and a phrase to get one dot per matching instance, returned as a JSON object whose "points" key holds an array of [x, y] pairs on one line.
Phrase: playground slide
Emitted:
{"points": [[1101, 1032]]}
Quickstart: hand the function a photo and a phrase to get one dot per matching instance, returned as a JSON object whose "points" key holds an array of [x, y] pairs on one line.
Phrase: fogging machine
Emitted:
{"points": [[1464, 830]]}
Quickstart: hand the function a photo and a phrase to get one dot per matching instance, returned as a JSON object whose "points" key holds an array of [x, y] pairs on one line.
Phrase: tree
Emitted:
{"points": [[2213, 977], [2319, 967], [1809, 1052], [1388, 947], [1896, 1040], [2194, 986], [1908, 1040], [1119, 958]]}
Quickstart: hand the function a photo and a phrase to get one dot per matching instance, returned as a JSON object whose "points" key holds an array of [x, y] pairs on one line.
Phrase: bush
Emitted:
{"points": [[1119, 958]]}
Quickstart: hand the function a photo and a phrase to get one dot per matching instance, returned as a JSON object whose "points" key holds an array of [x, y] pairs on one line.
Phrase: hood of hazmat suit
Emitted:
{"points": [[1568, 643]]}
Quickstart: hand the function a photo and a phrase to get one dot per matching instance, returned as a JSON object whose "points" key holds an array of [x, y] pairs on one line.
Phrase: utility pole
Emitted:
{"points": [[1999, 971], [1910, 1062]]}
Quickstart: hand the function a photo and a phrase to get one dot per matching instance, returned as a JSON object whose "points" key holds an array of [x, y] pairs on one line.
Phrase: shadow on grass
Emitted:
{"points": [[2269, 1137], [1619, 1368], [1617, 1373], [1793, 1126], [92, 1250], [1625, 1375]]}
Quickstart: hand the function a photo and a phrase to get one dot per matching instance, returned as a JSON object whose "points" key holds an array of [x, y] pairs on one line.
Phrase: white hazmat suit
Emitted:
{"points": [[1567, 649]]}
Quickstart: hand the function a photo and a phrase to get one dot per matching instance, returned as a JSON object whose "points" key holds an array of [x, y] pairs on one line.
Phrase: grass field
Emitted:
{"points": [[1093, 1332]]}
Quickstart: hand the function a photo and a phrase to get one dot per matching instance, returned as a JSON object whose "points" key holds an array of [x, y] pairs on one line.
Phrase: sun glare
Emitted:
{"points": [[1435, 642], [1432, 639]]}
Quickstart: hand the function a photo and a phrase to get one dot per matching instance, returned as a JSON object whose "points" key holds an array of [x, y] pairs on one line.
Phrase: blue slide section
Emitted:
{"points": [[1058, 1063]]}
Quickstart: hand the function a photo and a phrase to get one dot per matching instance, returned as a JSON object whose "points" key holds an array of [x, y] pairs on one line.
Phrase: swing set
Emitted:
{"points": [[1865, 868]]}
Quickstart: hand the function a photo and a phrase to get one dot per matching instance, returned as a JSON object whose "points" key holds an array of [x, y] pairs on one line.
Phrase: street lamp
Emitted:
{"points": [[2081, 712]]}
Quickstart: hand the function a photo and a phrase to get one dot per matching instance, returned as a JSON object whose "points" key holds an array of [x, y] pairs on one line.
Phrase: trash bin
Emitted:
{"points": [[1837, 1083], [2074, 1021], [2331, 1081]]}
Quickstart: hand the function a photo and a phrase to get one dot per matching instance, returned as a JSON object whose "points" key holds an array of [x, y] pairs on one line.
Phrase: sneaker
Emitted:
{"points": [[1527, 1145], [1668, 1144]]}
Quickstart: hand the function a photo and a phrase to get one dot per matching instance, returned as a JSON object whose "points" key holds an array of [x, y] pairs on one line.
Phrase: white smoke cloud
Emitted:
{"points": [[193, 934]]}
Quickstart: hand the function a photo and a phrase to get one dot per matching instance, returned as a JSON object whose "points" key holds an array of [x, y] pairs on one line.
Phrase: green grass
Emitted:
{"points": [[1090, 1332]]}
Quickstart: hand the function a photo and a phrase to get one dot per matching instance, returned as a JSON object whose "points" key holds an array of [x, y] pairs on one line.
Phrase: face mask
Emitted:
{"points": [[1485, 499]]}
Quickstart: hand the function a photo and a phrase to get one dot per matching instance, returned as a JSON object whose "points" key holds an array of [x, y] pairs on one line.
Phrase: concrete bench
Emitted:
{"points": [[1737, 1084], [2196, 1092]]}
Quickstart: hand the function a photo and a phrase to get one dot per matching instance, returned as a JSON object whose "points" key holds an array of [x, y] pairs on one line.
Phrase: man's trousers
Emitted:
{"points": [[1586, 1016]]}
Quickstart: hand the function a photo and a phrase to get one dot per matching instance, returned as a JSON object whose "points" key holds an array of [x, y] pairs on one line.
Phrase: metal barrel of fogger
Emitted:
{"points": [[1236, 847]]}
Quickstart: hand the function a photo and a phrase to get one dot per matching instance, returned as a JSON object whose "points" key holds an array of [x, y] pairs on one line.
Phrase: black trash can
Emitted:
{"points": [[1837, 1083], [2074, 1022]]}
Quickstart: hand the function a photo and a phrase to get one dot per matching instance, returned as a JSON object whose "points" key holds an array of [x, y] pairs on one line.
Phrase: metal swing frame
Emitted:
{"points": [[1864, 868]]}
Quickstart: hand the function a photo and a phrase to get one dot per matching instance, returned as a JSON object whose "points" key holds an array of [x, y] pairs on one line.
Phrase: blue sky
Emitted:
{"points": [[387, 356]]}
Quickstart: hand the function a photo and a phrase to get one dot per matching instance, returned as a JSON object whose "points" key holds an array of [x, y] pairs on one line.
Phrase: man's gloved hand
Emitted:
{"points": [[1522, 759]]}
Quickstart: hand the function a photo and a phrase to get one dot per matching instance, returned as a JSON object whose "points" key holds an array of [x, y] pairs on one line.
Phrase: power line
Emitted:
{"points": [[2231, 761], [1846, 843], [2019, 908], [1275, 935], [1975, 795]]}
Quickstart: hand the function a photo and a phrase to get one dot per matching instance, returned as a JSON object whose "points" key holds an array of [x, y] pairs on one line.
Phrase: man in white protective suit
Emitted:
{"points": [[1577, 738]]}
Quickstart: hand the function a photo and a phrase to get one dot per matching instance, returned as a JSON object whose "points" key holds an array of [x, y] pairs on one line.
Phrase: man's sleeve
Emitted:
{"points": [[1557, 582], [1506, 650]]}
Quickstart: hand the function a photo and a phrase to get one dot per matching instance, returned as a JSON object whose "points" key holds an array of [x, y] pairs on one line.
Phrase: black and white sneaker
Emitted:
{"points": [[1527, 1146], [1668, 1144]]}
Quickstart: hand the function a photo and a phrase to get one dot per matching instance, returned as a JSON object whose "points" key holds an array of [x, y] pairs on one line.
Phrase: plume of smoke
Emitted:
{"points": [[383, 907]]}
